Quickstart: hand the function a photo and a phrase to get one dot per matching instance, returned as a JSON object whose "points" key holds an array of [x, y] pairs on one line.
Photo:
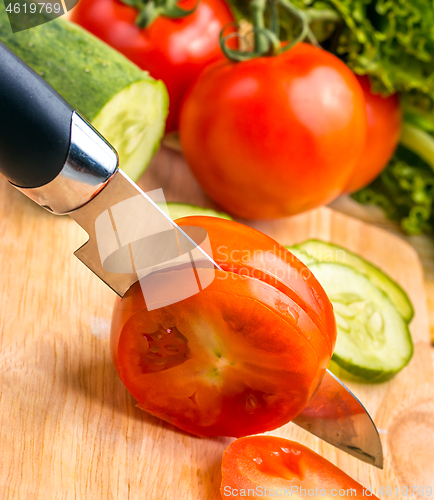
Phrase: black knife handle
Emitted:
{"points": [[35, 124]]}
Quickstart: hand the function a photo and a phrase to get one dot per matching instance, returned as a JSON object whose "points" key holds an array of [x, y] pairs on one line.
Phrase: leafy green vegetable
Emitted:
{"points": [[405, 190], [392, 40]]}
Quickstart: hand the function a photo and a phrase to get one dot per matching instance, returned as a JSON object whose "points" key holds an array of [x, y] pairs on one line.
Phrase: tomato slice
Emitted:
{"points": [[238, 358], [241, 249], [265, 466]]}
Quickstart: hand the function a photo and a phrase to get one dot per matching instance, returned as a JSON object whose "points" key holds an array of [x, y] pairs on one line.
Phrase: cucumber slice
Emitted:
{"points": [[328, 252], [178, 210], [374, 341], [306, 258], [124, 103], [133, 122]]}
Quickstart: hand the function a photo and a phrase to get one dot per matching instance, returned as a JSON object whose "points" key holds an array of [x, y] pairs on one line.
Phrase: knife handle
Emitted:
{"points": [[35, 124], [47, 149]]}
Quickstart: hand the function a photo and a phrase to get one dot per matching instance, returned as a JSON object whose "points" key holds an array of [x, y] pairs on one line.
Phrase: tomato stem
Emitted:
{"points": [[149, 10], [305, 28], [266, 40], [258, 11], [274, 21]]}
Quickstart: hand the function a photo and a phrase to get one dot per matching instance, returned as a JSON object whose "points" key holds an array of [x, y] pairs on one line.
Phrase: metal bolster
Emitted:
{"points": [[90, 164]]}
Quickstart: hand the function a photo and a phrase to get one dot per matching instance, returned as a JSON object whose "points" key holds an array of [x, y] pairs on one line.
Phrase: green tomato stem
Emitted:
{"points": [[147, 15], [258, 10], [266, 39], [274, 21], [149, 10]]}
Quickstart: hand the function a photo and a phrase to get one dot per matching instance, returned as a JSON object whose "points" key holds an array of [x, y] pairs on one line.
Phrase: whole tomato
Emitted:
{"points": [[384, 129], [172, 50], [268, 466], [242, 356], [274, 136]]}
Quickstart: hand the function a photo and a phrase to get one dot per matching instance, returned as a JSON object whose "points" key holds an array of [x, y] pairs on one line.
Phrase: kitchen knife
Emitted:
{"points": [[335, 415], [55, 157]]}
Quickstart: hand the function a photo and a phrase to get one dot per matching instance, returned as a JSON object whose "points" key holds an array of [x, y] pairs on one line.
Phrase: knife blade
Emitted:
{"points": [[132, 238], [335, 415], [67, 167]]}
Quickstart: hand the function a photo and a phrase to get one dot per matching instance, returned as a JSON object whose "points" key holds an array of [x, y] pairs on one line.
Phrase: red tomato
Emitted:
{"points": [[253, 464], [384, 129], [274, 136], [172, 50], [241, 357]]}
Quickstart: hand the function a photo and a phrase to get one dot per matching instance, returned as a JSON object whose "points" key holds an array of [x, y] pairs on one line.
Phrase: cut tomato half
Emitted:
{"points": [[242, 356]]}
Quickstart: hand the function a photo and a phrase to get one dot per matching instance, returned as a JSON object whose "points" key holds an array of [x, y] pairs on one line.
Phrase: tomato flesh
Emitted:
{"points": [[256, 463], [238, 358]]}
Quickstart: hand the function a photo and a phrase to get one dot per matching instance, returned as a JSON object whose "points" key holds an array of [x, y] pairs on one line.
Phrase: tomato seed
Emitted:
{"points": [[171, 349], [251, 404], [153, 355]]}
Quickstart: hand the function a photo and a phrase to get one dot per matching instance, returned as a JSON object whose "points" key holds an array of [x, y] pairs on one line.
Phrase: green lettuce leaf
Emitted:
{"points": [[405, 191], [405, 188], [392, 40]]}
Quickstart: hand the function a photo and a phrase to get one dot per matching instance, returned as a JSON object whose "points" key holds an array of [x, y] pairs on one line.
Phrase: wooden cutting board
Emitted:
{"points": [[68, 427]]}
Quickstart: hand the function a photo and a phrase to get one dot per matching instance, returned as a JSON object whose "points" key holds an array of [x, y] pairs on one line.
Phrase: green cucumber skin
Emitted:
{"points": [[400, 298], [336, 366], [85, 71], [359, 374]]}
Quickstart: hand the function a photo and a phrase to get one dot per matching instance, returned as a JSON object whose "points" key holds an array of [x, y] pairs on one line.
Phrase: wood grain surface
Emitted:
{"points": [[68, 427]]}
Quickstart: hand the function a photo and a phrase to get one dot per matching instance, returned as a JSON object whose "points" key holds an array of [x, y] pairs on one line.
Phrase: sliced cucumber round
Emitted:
{"points": [[328, 252], [374, 342], [178, 210], [306, 258]]}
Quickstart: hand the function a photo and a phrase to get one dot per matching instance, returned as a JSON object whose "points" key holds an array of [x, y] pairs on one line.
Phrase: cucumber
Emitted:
{"points": [[327, 252], [124, 103], [178, 210], [306, 258], [374, 342]]}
